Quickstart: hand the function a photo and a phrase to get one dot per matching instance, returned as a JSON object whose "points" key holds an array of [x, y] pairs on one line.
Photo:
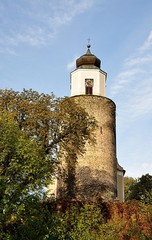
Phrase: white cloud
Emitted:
{"points": [[32, 36], [132, 92], [141, 99], [134, 83], [137, 170], [124, 78], [138, 60], [39, 20], [71, 65], [8, 51], [148, 43], [66, 11], [134, 65]]}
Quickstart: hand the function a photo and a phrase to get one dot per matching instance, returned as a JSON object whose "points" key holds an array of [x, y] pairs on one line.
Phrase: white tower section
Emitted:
{"points": [[88, 78]]}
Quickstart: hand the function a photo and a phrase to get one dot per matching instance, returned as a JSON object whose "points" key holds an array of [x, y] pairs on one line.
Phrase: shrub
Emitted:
{"points": [[72, 220]]}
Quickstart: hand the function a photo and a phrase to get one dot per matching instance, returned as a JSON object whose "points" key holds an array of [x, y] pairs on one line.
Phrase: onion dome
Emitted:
{"points": [[88, 60]]}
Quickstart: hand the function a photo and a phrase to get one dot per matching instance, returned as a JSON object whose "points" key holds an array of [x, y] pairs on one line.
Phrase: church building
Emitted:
{"points": [[97, 172]]}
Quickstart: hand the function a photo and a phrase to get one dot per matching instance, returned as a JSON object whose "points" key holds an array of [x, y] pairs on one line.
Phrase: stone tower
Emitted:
{"points": [[97, 170]]}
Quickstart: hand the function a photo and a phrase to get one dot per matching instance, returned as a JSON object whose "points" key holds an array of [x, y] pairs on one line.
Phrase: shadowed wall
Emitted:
{"points": [[96, 170]]}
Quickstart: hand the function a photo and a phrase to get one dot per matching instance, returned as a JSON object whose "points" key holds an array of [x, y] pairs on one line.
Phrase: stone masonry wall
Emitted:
{"points": [[97, 168]]}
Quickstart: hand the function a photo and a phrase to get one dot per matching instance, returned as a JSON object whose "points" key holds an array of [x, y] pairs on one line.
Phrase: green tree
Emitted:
{"points": [[128, 182], [141, 189], [51, 122], [32, 127], [24, 169]]}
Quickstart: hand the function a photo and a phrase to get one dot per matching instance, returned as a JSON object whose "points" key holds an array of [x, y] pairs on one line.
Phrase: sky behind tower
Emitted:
{"points": [[41, 39]]}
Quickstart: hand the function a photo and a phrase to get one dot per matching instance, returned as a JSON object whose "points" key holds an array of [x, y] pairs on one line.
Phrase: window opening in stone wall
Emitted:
{"points": [[89, 86]]}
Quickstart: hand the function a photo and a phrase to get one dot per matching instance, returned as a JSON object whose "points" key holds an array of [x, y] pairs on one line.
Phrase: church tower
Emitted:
{"points": [[97, 170]]}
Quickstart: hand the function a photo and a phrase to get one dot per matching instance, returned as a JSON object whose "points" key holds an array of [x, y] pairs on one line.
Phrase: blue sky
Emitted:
{"points": [[40, 40]]}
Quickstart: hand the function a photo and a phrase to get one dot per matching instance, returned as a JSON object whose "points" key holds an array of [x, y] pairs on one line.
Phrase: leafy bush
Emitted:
{"points": [[132, 220], [72, 220]]}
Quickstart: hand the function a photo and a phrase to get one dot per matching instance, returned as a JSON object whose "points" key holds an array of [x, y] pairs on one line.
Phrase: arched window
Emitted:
{"points": [[88, 86]]}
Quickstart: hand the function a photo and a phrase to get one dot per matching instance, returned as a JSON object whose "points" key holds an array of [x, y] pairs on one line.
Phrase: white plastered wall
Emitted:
{"points": [[78, 81]]}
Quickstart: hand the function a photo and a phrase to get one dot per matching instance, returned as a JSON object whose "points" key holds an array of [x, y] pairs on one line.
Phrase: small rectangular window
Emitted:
{"points": [[89, 86]]}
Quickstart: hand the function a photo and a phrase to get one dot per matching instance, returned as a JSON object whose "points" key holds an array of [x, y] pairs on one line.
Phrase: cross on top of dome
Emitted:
{"points": [[88, 45], [88, 59]]}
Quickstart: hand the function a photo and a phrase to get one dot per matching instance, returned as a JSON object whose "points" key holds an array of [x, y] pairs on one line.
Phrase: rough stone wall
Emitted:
{"points": [[96, 170]]}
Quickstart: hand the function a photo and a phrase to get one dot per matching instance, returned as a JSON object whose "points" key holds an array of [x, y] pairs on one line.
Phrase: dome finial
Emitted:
{"points": [[88, 45]]}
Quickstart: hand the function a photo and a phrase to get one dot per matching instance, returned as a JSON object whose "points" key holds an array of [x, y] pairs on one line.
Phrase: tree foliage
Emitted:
{"points": [[76, 220], [139, 189], [49, 120], [128, 182], [142, 189], [32, 127], [24, 169]]}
